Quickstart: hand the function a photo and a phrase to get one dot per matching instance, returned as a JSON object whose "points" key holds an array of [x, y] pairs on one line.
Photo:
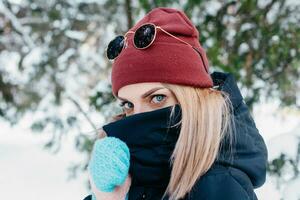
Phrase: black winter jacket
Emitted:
{"points": [[230, 178]]}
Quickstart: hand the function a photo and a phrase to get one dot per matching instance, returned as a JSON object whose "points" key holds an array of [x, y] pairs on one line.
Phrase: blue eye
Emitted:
{"points": [[159, 98], [122, 104]]}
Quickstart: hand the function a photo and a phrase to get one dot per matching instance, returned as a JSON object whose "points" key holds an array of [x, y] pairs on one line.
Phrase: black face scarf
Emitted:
{"points": [[151, 138]]}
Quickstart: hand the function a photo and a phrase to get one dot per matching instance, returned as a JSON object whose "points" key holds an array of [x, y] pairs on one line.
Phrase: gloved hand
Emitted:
{"points": [[108, 169]]}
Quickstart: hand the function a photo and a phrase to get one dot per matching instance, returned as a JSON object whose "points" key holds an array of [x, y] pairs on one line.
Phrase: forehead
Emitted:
{"points": [[138, 88]]}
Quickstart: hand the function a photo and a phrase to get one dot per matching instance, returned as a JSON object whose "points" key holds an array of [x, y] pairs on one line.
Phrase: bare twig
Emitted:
{"points": [[83, 112]]}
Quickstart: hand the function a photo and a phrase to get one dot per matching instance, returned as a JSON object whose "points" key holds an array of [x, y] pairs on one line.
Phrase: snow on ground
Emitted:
{"points": [[27, 171]]}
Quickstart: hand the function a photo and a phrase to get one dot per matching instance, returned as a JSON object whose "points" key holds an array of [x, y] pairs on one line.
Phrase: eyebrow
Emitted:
{"points": [[146, 94]]}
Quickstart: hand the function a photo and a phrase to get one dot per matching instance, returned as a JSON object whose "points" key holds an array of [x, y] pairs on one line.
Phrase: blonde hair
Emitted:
{"points": [[205, 121]]}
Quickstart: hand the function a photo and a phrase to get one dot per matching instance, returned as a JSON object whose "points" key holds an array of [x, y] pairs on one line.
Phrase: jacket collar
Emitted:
{"points": [[226, 82]]}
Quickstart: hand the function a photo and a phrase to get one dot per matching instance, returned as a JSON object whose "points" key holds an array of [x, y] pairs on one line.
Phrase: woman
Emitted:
{"points": [[189, 133]]}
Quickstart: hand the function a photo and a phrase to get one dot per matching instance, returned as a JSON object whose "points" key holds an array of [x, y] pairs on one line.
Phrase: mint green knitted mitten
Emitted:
{"points": [[109, 163]]}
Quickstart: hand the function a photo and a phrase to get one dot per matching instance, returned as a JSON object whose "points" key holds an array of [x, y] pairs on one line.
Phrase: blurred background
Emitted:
{"points": [[55, 84]]}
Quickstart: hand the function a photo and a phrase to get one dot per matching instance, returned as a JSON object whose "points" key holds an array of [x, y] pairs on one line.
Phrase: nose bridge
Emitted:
{"points": [[139, 108]]}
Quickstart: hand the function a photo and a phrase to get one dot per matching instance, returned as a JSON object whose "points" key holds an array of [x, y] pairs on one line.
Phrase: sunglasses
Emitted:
{"points": [[144, 36]]}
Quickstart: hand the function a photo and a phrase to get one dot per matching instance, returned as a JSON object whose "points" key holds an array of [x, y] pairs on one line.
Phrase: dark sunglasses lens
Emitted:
{"points": [[144, 35], [115, 47]]}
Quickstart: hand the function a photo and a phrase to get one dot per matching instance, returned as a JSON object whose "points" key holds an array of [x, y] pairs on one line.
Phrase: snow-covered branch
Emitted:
{"points": [[17, 25]]}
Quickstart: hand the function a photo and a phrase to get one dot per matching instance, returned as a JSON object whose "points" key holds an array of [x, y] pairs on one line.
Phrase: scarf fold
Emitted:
{"points": [[151, 138]]}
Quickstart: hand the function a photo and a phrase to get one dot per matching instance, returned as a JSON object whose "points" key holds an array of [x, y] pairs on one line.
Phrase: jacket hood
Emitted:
{"points": [[249, 152]]}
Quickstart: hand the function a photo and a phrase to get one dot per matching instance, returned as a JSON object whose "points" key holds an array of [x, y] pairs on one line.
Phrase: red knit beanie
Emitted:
{"points": [[167, 60]]}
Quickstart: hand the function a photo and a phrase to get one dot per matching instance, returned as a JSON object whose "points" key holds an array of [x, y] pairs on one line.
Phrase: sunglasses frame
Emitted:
{"points": [[154, 37]]}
